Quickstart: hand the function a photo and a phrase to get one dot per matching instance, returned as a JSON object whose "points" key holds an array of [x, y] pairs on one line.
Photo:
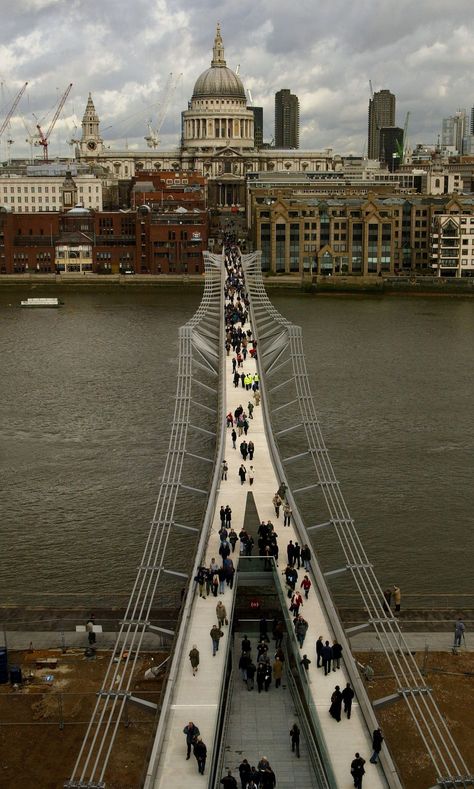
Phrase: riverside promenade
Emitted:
{"points": [[197, 698]]}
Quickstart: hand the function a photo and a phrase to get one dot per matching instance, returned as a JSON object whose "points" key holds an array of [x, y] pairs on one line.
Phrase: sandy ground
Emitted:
{"points": [[452, 680], [36, 752]]}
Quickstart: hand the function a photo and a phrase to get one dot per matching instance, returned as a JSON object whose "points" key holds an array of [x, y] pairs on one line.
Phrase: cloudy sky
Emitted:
{"points": [[122, 51]]}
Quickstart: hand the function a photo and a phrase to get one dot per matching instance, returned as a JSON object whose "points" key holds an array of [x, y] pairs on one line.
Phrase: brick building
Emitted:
{"points": [[82, 241]]}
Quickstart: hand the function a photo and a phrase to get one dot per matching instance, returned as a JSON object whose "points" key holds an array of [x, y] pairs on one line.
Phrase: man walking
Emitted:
{"points": [[319, 651], [295, 739], [216, 634], [357, 770], [347, 697], [459, 629], [191, 731], [200, 752], [326, 654]]}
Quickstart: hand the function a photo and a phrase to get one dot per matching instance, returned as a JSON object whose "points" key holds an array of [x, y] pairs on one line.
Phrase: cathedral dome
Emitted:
{"points": [[219, 81]]}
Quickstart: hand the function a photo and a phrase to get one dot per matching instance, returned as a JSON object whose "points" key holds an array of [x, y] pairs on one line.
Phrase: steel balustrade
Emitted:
{"points": [[194, 351], [278, 338]]}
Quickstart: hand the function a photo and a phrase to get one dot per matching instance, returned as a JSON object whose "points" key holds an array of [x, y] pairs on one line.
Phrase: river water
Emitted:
{"points": [[86, 394]]}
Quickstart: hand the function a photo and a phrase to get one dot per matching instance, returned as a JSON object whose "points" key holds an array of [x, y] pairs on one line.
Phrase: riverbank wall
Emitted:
{"points": [[317, 285]]}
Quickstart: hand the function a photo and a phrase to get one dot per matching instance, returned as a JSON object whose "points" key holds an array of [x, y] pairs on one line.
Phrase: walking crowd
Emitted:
{"points": [[263, 668]]}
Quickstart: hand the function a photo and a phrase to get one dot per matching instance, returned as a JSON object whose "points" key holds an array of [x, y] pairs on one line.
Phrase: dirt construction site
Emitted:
{"points": [[43, 720]]}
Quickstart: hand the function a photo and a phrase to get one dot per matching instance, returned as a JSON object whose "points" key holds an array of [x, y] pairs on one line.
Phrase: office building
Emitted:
{"points": [[381, 115], [287, 120], [453, 131], [391, 146], [257, 127]]}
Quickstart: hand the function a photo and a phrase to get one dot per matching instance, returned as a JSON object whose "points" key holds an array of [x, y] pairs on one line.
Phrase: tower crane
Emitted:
{"points": [[153, 136], [44, 138], [13, 108]]}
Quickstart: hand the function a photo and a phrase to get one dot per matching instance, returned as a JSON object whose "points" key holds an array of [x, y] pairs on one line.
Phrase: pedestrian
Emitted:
{"points": [[290, 552], [277, 504], [387, 600], [268, 676], [287, 513], [261, 671], [357, 770], [216, 634], [233, 539], [251, 475], [305, 557], [459, 629], [347, 697], [244, 772], [251, 671], [90, 631], [200, 752], [251, 449], [336, 654], [228, 781], [225, 469], [191, 731], [242, 473], [336, 704], [296, 602], [194, 659], [228, 515], [256, 397], [233, 436], [297, 555], [301, 627], [377, 740], [250, 407], [319, 648], [306, 585], [305, 662], [326, 654], [397, 596], [244, 450], [279, 632], [277, 672], [221, 614], [295, 739]]}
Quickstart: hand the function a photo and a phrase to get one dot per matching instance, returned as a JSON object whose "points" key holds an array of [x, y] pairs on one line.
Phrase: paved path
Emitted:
{"points": [[259, 725], [196, 698]]}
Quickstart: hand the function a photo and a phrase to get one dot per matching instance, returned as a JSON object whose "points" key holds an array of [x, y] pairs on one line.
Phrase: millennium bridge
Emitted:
{"points": [[183, 535]]}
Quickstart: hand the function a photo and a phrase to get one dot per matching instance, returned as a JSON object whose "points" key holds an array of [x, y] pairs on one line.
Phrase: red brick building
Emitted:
{"points": [[145, 241]]}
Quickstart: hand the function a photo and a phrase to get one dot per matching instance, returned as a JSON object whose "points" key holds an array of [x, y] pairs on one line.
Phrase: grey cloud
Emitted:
{"points": [[325, 52]]}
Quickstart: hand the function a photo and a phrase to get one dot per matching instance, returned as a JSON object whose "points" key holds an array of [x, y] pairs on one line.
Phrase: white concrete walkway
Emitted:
{"points": [[196, 698]]}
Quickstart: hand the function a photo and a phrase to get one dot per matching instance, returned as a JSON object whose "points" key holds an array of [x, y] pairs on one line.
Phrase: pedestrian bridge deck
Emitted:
{"points": [[197, 698]]}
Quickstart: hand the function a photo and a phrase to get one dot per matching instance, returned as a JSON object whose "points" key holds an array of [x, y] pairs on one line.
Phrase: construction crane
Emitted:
{"points": [[13, 108], [153, 136], [44, 138]]}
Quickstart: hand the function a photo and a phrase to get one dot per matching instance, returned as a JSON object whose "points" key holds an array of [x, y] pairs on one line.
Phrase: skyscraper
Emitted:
{"points": [[257, 126], [454, 129], [287, 119], [381, 114]]}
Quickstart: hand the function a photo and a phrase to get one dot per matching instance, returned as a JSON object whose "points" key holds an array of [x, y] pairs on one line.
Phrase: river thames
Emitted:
{"points": [[87, 393]]}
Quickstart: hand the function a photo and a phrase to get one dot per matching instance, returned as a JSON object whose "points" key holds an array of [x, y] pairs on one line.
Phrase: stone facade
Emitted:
{"points": [[367, 235]]}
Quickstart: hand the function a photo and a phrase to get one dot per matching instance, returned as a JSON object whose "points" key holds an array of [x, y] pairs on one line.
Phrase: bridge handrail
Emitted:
{"points": [[425, 713], [105, 720], [200, 551]]}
